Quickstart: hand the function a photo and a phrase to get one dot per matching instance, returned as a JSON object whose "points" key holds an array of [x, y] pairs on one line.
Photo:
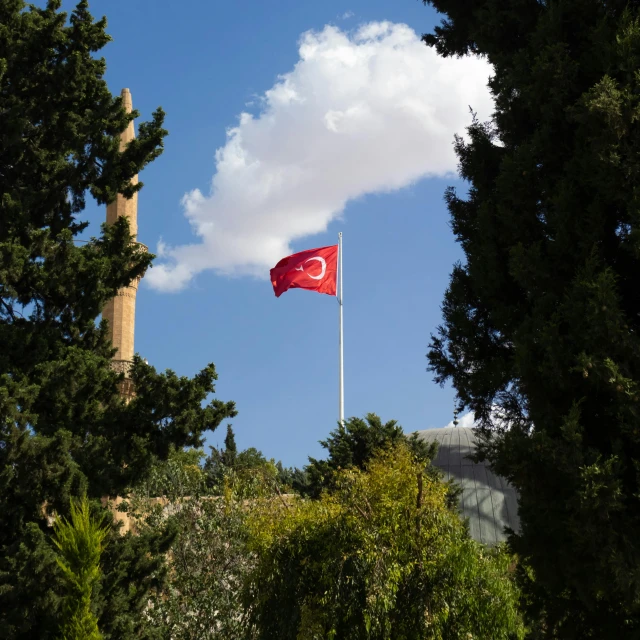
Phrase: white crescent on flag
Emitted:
{"points": [[324, 267], [292, 272]]}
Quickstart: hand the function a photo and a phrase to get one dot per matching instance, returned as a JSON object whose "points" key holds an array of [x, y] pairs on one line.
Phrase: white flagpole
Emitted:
{"points": [[341, 372]]}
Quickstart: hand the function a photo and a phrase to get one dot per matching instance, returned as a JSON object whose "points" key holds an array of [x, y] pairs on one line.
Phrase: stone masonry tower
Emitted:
{"points": [[121, 310]]}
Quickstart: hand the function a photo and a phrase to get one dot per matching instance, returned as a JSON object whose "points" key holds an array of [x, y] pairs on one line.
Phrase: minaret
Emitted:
{"points": [[120, 312]]}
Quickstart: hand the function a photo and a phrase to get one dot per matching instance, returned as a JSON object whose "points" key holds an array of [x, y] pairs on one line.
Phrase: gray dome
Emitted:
{"points": [[488, 501]]}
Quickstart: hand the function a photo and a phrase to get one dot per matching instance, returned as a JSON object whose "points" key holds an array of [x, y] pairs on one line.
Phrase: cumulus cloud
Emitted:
{"points": [[362, 112], [346, 15]]}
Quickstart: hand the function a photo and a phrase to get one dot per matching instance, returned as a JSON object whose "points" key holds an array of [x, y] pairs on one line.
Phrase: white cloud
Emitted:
{"points": [[361, 112], [498, 419], [346, 15]]}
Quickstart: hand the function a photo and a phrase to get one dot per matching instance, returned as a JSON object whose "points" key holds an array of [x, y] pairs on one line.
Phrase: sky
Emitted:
{"points": [[288, 123]]}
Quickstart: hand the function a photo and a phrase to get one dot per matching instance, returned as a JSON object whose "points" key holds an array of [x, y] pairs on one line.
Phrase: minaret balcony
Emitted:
{"points": [[122, 366], [142, 248]]}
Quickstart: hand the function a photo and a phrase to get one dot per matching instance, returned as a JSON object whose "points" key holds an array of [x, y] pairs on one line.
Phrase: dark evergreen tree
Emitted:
{"points": [[230, 449], [541, 333], [353, 444], [64, 430], [215, 463]]}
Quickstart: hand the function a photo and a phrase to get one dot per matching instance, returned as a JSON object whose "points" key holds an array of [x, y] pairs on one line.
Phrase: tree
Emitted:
{"points": [[219, 461], [380, 556], [292, 478], [209, 559], [542, 320], [201, 599], [230, 448], [181, 474], [64, 430], [247, 472], [80, 543], [353, 444]]}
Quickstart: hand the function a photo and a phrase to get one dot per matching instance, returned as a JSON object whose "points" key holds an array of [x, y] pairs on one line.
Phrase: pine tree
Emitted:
{"points": [[542, 319], [64, 430]]}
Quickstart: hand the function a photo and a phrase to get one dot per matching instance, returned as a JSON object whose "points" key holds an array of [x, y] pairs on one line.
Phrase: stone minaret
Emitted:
{"points": [[121, 310]]}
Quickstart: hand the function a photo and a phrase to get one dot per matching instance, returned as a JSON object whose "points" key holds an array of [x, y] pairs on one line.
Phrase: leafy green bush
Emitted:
{"points": [[380, 556]]}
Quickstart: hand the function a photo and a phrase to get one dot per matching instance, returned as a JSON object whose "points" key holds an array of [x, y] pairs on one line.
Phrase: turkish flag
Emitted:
{"points": [[313, 269]]}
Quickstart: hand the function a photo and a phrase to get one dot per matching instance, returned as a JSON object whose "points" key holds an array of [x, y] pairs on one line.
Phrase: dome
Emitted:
{"points": [[488, 501]]}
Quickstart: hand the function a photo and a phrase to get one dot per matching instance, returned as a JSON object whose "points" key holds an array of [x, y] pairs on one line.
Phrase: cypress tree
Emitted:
{"points": [[230, 448], [542, 319], [64, 430], [80, 542]]}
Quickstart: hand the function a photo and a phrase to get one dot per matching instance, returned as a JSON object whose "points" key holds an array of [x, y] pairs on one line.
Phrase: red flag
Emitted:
{"points": [[313, 269]]}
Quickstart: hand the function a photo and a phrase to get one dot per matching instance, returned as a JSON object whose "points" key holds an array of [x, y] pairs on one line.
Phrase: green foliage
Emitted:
{"points": [[246, 473], [292, 478], [209, 558], [64, 430], [230, 448], [79, 542], [353, 444], [201, 597], [542, 320], [218, 583], [180, 475], [379, 557]]}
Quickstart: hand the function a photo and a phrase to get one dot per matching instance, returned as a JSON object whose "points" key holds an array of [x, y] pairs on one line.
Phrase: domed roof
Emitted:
{"points": [[488, 501]]}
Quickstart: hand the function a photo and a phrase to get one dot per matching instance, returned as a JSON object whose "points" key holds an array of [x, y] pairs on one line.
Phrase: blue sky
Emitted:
{"points": [[205, 64]]}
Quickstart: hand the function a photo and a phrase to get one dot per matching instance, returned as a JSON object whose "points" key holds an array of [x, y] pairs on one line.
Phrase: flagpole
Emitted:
{"points": [[341, 351]]}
